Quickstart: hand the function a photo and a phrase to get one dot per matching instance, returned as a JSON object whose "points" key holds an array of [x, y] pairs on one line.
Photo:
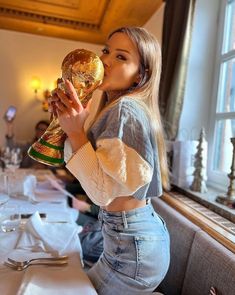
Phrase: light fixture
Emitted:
{"points": [[36, 85]]}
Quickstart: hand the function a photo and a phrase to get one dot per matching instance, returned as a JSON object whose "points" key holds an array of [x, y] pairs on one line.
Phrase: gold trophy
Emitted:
{"points": [[85, 71]]}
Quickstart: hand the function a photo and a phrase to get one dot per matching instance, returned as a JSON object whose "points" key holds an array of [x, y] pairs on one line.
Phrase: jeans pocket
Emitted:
{"points": [[152, 259], [120, 253]]}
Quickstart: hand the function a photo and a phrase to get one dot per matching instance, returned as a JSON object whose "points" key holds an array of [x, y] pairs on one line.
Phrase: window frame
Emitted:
{"points": [[215, 178]]}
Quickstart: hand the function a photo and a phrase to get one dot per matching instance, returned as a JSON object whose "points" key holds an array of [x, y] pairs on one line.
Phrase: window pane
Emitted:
{"points": [[226, 93], [229, 27], [225, 129]]}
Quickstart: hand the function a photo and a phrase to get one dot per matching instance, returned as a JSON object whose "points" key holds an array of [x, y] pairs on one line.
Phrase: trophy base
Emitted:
{"points": [[44, 159], [225, 200]]}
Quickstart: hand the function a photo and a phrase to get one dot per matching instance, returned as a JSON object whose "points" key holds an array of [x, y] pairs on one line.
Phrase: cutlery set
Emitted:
{"points": [[49, 261]]}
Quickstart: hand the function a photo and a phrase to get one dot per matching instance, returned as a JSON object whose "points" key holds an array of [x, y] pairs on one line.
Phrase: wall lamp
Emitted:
{"points": [[36, 85]]}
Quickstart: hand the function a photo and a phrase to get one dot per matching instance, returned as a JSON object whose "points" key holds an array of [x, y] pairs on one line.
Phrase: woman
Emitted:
{"points": [[121, 163]]}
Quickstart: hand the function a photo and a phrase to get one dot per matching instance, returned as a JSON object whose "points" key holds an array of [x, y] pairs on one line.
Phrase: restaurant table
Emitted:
{"points": [[41, 279]]}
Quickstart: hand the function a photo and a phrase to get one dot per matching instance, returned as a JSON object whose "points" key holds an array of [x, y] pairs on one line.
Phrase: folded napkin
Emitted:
{"points": [[22, 185], [29, 186], [54, 238]]}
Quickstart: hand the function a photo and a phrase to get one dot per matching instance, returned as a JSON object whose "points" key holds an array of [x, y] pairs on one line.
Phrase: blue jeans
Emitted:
{"points": [[91, 239], [136, 252]]}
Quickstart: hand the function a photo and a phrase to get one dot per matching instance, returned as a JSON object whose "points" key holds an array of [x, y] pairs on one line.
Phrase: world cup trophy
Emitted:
{"points": [[85, 71]]}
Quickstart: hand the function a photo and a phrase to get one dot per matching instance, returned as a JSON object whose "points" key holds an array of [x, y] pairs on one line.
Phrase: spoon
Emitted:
{"points": [[20, 268], [43, 259]]}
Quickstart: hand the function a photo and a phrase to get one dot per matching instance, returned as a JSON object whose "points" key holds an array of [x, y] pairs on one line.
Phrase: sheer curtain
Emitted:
{"points": [[176, 39]]}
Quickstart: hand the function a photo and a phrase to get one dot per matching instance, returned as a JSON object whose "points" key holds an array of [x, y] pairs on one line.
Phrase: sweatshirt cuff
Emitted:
{"points": [[82, 162]]}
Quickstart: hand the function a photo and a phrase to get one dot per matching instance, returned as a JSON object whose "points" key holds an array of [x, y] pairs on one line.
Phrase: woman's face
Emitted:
{"points": [[121, 63]]}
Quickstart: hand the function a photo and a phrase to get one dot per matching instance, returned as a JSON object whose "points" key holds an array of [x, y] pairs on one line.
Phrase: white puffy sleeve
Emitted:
{"points": [[119, 158], [112, 170]]}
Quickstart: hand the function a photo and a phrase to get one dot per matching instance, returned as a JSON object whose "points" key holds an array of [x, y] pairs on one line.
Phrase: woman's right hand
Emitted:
{"points": [[81, 206]]}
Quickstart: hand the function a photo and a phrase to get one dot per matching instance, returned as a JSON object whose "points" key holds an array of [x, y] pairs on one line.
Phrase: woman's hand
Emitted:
{"points": [[81, 205], [70, 113]]}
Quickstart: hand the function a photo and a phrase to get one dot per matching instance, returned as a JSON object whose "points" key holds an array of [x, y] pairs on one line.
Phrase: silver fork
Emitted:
{"points": [[20, 268], [42, 259]]}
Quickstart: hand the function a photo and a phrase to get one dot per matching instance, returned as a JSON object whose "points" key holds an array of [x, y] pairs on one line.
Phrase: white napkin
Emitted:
{"points": [[22, 185], [40, 236], [29, 186]]}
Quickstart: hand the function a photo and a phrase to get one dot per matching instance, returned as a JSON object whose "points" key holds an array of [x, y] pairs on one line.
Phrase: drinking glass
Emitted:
{"points": [[11, 158], [4, 189], [9, 217], [13, 162], [5, 155]]}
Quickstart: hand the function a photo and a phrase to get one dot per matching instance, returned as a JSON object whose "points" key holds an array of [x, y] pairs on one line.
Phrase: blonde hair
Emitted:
{"points": [[148, 87]]}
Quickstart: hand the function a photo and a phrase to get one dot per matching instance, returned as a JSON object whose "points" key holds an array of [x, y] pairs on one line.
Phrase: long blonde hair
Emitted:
{"points": [[148, 87]]}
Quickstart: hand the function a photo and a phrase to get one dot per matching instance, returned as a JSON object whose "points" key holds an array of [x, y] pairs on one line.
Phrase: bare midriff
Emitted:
{"points": [[124, 204]]}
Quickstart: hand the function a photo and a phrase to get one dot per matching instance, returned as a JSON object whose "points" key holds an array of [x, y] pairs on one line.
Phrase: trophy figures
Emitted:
{"points": [[85, 71]]}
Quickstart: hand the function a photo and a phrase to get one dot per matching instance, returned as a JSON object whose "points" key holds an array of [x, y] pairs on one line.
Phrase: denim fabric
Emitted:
{"points": [[91, 239], [136, 252]]}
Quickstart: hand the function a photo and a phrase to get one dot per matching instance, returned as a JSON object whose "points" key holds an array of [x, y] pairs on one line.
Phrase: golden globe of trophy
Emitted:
{"points": [[85, 71]]}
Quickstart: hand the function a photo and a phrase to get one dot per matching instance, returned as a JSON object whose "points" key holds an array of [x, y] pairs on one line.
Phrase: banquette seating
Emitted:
{"points": [[198, 262]]}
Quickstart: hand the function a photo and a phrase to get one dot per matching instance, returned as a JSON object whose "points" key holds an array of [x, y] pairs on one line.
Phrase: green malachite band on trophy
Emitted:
{"points": [[55, 147], [45, 158]]}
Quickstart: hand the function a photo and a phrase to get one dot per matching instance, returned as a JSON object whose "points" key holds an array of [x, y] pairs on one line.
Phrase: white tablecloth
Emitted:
{"points": [[42, 280]]}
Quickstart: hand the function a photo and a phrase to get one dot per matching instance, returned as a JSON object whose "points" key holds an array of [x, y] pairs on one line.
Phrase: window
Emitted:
{"points": [[223, 121]]}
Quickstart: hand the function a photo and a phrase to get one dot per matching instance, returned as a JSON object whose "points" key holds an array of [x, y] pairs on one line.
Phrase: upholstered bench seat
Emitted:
{"points": [[198, 261]]}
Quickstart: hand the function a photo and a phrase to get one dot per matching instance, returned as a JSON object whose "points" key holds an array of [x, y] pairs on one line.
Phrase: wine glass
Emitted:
{"points": [[4, 189], [10, 217], [15, 159], [9, 213], [11, 158], [5, 155]]}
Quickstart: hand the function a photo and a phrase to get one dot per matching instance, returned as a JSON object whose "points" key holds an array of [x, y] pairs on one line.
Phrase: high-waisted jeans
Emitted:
{"points": [[136, 252]]}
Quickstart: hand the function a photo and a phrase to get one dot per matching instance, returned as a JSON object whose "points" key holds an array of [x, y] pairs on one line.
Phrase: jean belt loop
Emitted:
{"points": [[124, 219]]}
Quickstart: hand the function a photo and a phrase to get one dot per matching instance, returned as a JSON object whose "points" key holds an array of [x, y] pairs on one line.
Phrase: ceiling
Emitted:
{"points": [[83, 20]]}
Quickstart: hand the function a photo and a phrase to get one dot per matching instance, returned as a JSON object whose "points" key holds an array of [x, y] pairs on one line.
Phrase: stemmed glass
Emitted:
{"points": [[4, 189], [4, 196], [11, 158], [5, 153], [9, 213], [15, 159], [10, 217]]}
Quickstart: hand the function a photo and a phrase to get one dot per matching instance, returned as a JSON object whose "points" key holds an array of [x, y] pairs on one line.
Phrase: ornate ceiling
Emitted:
{"points": [[82, 20]]}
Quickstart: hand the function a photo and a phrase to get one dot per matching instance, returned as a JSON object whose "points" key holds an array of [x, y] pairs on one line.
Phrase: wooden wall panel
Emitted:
{"points": [[82, 20]]}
